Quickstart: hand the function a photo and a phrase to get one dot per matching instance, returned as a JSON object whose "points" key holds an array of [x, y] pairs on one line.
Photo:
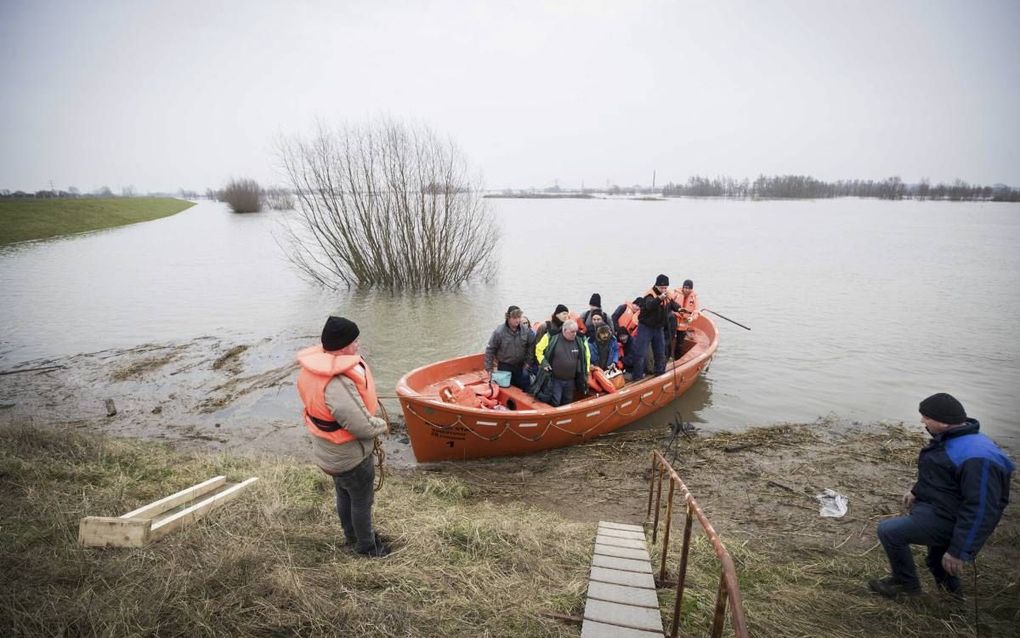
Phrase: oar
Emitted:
{"points": [[724, 317]]}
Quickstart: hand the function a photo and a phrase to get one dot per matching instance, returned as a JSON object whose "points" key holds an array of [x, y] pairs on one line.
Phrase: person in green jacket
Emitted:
{"points": [[564, 361]]}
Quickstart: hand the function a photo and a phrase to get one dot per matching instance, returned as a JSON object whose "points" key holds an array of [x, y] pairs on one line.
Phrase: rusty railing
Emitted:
{"points": [[729, 589]]}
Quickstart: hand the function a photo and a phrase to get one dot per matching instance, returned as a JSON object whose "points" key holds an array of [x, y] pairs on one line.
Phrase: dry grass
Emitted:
{"points": [[803, 575], [272, 562], [486, 548]]}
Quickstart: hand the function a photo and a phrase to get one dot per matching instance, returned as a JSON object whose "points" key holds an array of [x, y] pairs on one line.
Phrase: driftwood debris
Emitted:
{"points": [[152, 522], [42, 369]]}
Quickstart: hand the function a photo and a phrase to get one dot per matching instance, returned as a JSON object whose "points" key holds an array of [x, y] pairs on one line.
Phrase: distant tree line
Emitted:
{"points": [[805, 187], [103, 192]]}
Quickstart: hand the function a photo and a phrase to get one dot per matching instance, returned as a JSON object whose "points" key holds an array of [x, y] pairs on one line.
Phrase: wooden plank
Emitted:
{"points": [[621, 526], [624, 615], [102, 531], [621, 552], [154, 509], [198, 510]]}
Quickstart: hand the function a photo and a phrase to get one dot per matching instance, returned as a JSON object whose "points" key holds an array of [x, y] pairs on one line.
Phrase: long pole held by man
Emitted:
{"points": [[341, 413], [961, 491]]}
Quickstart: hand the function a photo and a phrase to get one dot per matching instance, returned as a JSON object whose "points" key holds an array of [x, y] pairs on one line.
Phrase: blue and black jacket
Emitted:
{"points": [[965, 476]]}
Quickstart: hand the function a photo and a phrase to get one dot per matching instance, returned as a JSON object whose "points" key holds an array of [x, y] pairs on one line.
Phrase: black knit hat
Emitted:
{"points": [[943, 408], [662, 280], [596, 300], [560, 308], [688, 284], [338, 333]]}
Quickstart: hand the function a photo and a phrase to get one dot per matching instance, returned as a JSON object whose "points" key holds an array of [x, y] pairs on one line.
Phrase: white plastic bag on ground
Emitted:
{"points": [[833, 503]]}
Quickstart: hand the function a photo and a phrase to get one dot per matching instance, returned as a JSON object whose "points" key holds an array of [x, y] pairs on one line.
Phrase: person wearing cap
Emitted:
{"points": [[594, 309], [655, 306], [687, 299], [510, 348], [961, 491], [341, 414], [555, 323]]}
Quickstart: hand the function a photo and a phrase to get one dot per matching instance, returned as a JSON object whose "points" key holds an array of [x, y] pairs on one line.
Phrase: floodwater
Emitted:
{"points": [[858, 308]]}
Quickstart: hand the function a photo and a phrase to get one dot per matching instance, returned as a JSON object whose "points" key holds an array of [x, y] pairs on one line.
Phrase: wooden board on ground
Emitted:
{"points": [[152, 522]]}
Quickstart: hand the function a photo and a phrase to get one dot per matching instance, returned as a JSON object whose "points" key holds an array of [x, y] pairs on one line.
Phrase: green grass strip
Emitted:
{"points": [[26, 219]]}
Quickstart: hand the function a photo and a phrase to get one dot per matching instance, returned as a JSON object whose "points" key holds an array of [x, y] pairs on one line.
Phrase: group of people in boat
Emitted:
{"points": [[571, 353]]}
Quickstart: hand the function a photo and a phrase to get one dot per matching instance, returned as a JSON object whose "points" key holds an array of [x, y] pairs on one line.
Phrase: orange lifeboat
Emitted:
{"points": [[451, 413]]}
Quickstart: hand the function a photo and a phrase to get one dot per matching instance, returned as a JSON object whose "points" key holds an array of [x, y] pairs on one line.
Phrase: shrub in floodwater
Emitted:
{"points": [[386, 204], [279, 199], [242, 195]]}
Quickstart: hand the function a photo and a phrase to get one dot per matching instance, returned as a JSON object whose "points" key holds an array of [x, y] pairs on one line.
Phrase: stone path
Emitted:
{"points": [[622, 602]]}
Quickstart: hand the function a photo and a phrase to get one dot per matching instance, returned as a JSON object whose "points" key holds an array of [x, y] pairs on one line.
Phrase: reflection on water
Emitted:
{"points": [[858, 308]]}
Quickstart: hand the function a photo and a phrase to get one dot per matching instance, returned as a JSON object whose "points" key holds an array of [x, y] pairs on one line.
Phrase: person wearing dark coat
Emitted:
{"points": [[594, 308], [555, 324], [961, 491], [655, 306]]}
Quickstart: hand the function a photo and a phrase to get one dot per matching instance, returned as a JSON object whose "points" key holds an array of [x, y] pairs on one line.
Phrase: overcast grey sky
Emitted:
{"points": [[162, 95]]}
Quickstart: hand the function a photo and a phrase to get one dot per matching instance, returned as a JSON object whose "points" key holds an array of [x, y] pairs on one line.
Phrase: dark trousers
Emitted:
{"points": [[518, 375], [561, 391], [678, 347], [355, 493], [922, 527], [646, 335]]}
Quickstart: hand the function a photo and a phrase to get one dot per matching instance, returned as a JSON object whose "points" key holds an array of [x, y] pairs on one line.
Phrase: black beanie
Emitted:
{"points": [[338, 333], [944, 408], [596, 300], [688, 284], [662, 280], [560, 308]]}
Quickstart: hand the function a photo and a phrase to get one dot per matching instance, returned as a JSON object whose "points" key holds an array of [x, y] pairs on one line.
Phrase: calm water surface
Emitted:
{"points": [[858, 308]]}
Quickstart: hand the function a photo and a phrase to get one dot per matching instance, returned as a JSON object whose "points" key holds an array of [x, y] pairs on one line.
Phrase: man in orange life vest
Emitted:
{"points": [[687, 299], [338, 391]]}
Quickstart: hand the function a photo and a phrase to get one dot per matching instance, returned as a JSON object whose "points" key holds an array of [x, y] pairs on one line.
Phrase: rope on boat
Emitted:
{"points": [[550, 424]]}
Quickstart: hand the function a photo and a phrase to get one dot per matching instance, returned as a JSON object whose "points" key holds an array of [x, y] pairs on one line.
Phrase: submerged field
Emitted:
{"points": [[25, 219], [483, 548]]}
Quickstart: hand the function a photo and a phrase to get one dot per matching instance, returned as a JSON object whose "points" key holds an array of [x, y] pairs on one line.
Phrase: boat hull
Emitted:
{"points": [[442, 431]]}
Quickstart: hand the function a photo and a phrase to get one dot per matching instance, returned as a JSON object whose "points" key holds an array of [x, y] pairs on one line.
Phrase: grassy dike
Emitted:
{"points": [[495, 547], [272, 562], [25, 219]]}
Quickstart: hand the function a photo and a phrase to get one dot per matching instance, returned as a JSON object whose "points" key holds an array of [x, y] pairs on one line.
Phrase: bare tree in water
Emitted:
{"points": [[386, 205]]}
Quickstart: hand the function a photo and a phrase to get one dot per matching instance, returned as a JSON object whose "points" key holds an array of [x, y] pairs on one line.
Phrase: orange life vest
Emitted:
{"points": [[688, 303], [598, 381], [473, 397], [629, 319], [577, 319], [318, 368]]}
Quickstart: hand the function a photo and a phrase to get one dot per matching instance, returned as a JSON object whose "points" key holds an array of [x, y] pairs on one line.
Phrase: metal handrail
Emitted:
{"points": [[729, 589]]}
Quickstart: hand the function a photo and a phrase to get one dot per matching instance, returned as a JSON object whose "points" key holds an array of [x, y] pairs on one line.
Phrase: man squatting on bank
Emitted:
{"points": [[341, 407], [961, 491]]}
